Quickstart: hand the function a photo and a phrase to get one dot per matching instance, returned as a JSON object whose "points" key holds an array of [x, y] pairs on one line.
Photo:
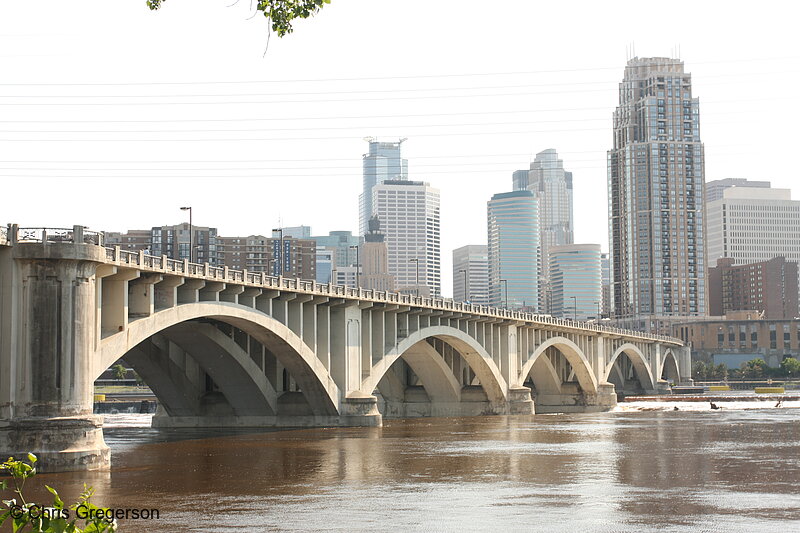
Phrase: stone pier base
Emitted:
{"points": [[574, 400], [360, 411], [520, 401], [61, 444]]}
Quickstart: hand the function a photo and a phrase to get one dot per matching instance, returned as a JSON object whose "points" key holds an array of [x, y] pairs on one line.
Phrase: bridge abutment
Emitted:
{"points": [[46, 368]]}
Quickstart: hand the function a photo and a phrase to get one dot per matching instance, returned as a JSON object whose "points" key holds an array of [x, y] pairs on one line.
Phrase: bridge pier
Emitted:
{"points": [[46, 383], [572, 399]]}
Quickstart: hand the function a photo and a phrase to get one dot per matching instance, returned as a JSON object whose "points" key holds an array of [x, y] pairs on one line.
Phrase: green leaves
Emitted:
{"points": [[30, 517], [280, 13]]}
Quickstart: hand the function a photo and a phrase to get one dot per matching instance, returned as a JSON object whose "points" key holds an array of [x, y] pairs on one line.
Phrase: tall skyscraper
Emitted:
{"points": [[471, 274], [382, 162], [552, 185], [514, 261], [409, 215], [576, 281], [655, 195]]}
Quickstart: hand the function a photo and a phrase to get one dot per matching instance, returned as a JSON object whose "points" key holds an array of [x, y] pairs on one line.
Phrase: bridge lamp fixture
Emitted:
{"points": [[191, 234], [505, 282], [574, 308]]}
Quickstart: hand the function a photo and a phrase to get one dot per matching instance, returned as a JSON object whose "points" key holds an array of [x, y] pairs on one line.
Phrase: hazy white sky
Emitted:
{"points": [[113, 116]]}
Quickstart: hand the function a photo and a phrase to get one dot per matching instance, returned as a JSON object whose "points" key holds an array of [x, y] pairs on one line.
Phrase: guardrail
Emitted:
{"points": [[13, 234], [78, 234]]}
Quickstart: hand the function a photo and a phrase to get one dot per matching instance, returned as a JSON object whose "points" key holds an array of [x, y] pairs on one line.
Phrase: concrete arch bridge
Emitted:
{"points": [[229, 348]]}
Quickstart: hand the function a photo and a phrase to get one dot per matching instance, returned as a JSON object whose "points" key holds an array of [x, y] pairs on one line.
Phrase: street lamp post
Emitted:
{"points": [[574, 308], [598, 310], [280, 250], [466, 286], [505, 281], [358, 283], [191, 234], [415, 260]]}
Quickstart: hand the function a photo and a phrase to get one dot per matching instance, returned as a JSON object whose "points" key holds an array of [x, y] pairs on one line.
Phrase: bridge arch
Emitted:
{"points": [[640, 365], [669, 367], [423, 357], [311, 375], [545, 376]]}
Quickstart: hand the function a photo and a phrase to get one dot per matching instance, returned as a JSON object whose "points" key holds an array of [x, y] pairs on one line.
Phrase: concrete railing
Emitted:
{"points": [[77, 234], [115, 255]]}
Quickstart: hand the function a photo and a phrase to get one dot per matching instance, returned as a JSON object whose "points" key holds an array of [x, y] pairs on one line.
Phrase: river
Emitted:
{"points": [[639, 468]]}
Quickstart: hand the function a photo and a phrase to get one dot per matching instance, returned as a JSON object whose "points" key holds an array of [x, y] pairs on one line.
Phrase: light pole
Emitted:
{"points": [[598, 311], [191, 234], [574, 308], [355, 246], [415, 260], [466, 287], [280, 250], [505, 281]]}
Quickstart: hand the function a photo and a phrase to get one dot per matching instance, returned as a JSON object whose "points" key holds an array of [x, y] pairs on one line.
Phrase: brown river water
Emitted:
{"points": [[635, 469]]}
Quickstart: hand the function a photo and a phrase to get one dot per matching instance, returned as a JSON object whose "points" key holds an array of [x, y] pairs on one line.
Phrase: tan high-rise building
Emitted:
{"points": [[375, 259], [655, 188]]}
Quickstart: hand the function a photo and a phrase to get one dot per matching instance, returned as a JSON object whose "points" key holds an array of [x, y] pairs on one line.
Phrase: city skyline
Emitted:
{"points": [[561, 99]]}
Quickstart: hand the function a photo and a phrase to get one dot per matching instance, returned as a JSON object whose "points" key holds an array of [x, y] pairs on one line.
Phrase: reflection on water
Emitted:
{"points": [[728, 470]]}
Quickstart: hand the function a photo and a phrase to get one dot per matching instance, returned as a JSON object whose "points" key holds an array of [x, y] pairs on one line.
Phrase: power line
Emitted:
{"points": [[394, 77], [458, 124]]}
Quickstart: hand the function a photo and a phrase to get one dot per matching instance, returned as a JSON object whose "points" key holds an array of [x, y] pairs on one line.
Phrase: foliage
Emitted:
{"points": [[790, 367], [706, 371], [31, 517], [280, 13], [699, 370], [120, 372], [754, 368], [720, 371]]}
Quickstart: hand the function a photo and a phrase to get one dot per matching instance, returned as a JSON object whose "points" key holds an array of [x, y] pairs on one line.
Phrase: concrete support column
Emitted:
{"points": [[54, 291], [346, 347], [248, 297], [377, 334], [189, 291], [295, 313], [210, 291], [141, 295], [166, 292], [114, 316], [684, 358], [231, 293], [509, 362], [323, 349]]}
